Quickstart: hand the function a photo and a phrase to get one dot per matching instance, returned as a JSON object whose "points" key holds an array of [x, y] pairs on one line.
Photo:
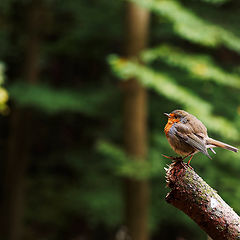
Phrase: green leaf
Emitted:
{"points": [[189, 26], [166, 86], [53, 101], [201, 67]]}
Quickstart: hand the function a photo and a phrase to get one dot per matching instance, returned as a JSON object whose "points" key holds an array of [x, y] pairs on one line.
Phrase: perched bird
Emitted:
{"points": [[187, 135]]}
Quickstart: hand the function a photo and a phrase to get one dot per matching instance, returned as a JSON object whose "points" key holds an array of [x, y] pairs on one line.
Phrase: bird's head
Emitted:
{"points": [[176, 115]]}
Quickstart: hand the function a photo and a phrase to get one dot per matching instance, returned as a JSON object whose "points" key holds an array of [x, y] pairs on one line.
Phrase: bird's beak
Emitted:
{"points": [[166, 114]]}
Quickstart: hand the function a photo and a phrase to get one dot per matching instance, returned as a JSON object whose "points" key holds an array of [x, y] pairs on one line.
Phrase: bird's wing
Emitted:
{"points": [[196, 140]]}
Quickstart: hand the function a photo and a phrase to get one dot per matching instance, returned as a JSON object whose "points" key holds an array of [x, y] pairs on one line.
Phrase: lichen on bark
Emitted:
{"points": [[191, 194]]}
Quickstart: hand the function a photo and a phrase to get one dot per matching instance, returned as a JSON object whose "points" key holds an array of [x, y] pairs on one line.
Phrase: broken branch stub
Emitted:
{"points": [[191, 194]]}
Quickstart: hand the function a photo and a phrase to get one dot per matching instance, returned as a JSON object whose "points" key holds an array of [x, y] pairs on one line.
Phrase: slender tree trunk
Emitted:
{"points": [[135, 125], [20, 133]]}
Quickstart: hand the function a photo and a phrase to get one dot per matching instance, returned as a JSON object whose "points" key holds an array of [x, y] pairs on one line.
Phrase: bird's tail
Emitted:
{"points": [[214, 143]]}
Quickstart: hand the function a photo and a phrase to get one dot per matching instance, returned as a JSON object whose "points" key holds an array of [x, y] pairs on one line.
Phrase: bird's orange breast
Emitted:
{"points": [[169, 124]]}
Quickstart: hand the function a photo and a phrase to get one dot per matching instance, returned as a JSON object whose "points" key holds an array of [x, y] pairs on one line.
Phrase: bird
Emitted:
{"points": [[187, 136]]}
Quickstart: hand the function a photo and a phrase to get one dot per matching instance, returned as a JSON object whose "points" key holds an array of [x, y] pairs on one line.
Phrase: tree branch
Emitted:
{"points": [[200, 202]]}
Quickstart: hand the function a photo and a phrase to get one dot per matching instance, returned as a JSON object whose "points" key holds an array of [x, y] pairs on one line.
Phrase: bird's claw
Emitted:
{"points": [[178, 159], [190, 166]]}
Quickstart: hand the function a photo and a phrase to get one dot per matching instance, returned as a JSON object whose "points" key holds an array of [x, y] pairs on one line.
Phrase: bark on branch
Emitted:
{"points": [[200, 202]]}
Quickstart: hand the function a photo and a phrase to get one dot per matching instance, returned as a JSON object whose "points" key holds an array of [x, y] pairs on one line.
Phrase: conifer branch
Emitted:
{"points": [[191, 194]]}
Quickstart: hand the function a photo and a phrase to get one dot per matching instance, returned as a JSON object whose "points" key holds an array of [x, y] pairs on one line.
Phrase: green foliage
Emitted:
{"points": [[217, 2], [185, 22], [124, 165], [53, 101], [3, 93], [66, 196], [167, 87], [74, 176], [191, 76], [202, 67], [90, 17], [2, 73]]}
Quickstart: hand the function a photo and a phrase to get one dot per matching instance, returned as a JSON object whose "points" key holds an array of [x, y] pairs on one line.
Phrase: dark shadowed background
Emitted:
{"points": [[85, 87]]}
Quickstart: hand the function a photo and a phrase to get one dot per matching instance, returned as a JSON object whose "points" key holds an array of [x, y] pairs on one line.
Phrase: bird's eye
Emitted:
{"points": [[176, 117]]}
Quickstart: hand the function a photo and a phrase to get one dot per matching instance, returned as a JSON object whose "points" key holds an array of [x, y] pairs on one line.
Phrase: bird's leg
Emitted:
{"points": [[173, 158], [189, 161], [180, 159], [190, 154]]}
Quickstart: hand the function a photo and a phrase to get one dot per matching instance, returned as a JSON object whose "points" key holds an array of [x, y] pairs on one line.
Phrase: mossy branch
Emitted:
{"points": [[191, 194]]}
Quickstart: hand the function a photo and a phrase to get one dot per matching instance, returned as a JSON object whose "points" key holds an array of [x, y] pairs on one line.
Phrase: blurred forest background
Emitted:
{"points": [[84, 85]]}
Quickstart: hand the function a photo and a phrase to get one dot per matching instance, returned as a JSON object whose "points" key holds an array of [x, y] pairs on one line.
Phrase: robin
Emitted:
{"points": [[187, 136]]}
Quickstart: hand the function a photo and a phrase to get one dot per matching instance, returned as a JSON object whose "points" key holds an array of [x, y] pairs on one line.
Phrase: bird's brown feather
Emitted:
{"points": [[187, 135]]}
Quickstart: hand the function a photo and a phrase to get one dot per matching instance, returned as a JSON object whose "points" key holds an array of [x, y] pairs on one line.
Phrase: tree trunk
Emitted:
{"points": [[20, 133], [200, 202], [135, 125]]}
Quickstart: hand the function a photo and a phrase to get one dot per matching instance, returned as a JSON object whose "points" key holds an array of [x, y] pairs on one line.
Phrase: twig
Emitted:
{"points": [[200, 202]]}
